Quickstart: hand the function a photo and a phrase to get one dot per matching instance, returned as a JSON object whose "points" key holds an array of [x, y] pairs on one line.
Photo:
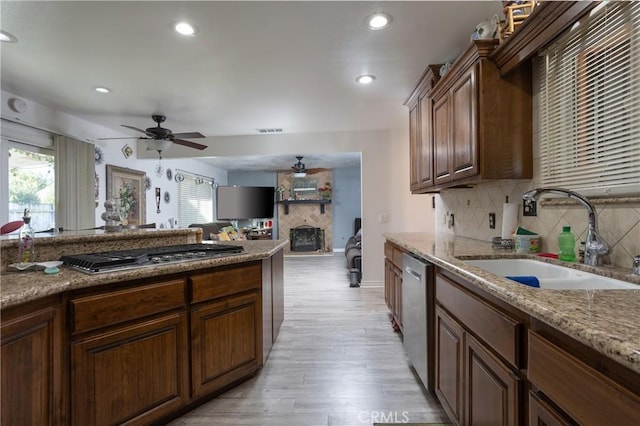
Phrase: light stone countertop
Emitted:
{"points": [[20, 287], [605, 320]]}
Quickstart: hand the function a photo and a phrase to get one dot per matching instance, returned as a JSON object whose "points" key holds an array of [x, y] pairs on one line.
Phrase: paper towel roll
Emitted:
{"points": [[509, 220]]}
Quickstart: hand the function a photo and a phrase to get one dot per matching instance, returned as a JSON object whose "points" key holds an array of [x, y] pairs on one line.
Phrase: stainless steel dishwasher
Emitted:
{"points": [[415, 313]]}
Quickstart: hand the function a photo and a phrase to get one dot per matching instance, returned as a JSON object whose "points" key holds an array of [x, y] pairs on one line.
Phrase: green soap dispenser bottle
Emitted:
{"points": [[567, 245]]}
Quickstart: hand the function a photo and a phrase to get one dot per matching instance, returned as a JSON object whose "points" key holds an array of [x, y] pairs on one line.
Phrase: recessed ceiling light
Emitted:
{"points": [[365, 79], [102, 89], [185, 28], [6, 37], [379, 20]]}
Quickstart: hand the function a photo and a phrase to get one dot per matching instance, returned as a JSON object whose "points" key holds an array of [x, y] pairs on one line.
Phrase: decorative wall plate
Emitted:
{"points": [[169, 174], [147, 183], [167, 197], [99, 155]]}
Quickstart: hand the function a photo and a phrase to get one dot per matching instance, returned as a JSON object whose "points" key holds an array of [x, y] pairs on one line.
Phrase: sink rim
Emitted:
{"points": [[575, 277]]}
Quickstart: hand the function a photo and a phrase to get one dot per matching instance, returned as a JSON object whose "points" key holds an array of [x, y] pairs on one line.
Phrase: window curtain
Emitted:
{"points": [[75, 177]]}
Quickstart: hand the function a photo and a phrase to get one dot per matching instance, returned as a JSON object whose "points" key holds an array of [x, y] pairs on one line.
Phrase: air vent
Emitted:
{"points": [[276, 130]]}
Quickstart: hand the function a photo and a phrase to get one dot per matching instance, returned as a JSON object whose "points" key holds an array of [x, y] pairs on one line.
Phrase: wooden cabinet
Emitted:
{"points": [[129, 354], [455, 131], [393, 282], [542, 414], [133, 374], [32, 365], [226, 342], [476, 353], [138, 352], [586, 395], [420, 132], [226, 325], [471, 124], [449, 338], [497, 365], [272, 300], [492, 389]]}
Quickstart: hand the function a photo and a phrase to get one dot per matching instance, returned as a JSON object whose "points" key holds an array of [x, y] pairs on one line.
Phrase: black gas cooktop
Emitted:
{"points": [[120, 260]]}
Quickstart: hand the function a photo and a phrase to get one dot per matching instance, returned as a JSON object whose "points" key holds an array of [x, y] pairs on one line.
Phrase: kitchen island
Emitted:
{"points": [[567, 355], [137, 346]]}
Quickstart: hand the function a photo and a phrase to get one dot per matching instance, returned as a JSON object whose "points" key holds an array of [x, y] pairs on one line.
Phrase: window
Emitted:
{"points": [[589, 104], [195, 198], [27, 161]]}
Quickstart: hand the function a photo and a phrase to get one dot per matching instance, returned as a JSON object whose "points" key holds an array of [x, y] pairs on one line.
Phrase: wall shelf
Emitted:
{"points": [[287, 202]]}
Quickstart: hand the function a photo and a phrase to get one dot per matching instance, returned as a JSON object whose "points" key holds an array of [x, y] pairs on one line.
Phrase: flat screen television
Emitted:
{"points": [[244, 202]]}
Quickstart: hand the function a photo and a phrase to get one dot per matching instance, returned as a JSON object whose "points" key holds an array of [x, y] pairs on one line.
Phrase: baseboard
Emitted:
{"points": [[372, 284]]}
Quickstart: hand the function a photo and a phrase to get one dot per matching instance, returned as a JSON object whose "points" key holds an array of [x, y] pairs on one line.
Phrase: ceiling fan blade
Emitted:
{"points": [[106, 139], [190, 144], [189, 135], [316, 170], [139, 130]]}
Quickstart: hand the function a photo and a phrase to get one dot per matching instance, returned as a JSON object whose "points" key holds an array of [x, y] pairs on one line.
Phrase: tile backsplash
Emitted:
{"points": [[618, 224]]}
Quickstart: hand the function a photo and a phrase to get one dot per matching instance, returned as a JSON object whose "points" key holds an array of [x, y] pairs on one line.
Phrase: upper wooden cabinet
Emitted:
{"points": [[420, 125], [470, 125]]}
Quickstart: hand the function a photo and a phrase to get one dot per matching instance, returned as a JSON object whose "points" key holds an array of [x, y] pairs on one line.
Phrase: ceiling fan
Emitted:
{"points": [[160, 138], [300, 170]]}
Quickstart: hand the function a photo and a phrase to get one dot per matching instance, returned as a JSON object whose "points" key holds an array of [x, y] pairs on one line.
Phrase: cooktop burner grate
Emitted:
{"points": [[130, 259]]}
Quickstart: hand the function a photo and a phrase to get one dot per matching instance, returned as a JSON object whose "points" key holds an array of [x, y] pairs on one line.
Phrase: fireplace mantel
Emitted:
{"points": [[287, 202]]}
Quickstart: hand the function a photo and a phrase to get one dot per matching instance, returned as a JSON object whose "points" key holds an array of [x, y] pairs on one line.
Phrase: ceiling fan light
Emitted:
{"points": [[157, 144], [102, 89], [299, 174]]}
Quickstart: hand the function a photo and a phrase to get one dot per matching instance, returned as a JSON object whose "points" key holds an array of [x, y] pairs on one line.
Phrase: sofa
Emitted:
{"points": [[353, 253], [210, 228]]}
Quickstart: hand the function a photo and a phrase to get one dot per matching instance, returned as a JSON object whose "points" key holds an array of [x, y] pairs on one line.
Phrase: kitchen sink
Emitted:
{"points": [[550, 276]]}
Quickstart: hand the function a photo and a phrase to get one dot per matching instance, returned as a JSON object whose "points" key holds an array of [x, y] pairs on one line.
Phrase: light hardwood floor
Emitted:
{"points": [[337, 361]]}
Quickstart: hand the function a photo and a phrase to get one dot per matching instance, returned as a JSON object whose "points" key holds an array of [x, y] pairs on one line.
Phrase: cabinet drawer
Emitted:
{"points": [[118, 306], [388, 251], [585, 394], [226, 281], [397, 257], [496, 329]]}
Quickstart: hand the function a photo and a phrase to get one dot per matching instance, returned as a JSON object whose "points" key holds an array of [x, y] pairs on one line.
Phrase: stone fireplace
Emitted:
{"points": [[305, 212], [306, 238]]}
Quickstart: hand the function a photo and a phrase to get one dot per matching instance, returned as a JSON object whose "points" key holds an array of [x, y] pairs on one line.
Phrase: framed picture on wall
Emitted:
{"points": [[127, 188]]}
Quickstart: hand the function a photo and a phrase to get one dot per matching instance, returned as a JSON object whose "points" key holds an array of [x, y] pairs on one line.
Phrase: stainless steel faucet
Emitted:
{"points": [[595, 246]]}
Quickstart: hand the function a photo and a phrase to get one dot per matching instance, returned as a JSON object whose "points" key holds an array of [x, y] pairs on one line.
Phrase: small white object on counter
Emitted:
{"points": [[509, 220]]}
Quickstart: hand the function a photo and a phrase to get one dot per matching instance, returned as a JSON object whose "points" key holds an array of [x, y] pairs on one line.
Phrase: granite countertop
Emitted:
{"points": [[20, 287], [605, 320]]}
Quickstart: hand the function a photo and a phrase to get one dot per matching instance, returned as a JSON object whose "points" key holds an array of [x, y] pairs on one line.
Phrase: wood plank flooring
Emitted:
{"points": [[336, 362]]}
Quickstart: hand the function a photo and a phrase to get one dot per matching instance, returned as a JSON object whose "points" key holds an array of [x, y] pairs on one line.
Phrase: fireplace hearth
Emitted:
{"points": [[306, 238]]}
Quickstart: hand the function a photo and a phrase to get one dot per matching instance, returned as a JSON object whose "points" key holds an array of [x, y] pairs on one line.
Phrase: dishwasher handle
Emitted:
{"points": [[415, 274]]}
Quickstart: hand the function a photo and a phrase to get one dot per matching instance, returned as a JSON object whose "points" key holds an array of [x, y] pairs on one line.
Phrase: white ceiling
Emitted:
{"points": [[290, 65]]}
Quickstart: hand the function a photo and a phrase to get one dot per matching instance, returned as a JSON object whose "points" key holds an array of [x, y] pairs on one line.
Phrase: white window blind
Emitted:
{"points": [[195, 199], [589, 103]]}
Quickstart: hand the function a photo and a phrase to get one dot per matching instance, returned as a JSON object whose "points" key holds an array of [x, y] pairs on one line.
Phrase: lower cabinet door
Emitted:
{"points": [[492, 389], [541, 414], [32, 368], [449, 337], [133, 375], [226, 342]]}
